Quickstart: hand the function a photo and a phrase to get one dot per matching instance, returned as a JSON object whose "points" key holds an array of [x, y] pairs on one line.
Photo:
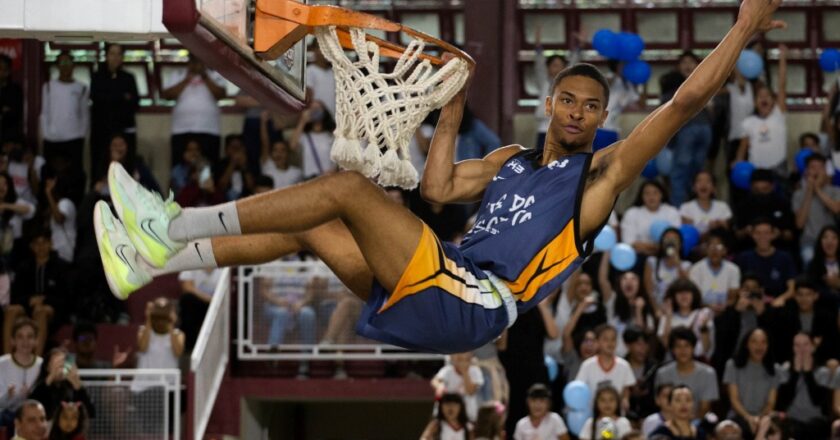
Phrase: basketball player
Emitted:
{"points": [[538, 217]]}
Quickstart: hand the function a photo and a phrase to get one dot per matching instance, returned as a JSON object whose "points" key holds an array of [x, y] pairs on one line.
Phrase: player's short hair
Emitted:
{"points": [[587, 70], [815, 157], [809, 135], [28, 403]]}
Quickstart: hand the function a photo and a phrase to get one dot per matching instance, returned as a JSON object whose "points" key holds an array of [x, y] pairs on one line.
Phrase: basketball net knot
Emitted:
{"points": [[384, 109]]}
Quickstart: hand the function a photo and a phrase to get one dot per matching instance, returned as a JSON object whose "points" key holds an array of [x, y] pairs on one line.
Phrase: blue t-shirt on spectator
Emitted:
{"points": [[773, 271]]}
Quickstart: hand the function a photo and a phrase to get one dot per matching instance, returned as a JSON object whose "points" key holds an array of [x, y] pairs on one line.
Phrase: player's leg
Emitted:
{"points": [[386, 232]]}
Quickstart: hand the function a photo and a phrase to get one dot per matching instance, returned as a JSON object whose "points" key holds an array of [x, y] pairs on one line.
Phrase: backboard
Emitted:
{"points": [[220, 33]]}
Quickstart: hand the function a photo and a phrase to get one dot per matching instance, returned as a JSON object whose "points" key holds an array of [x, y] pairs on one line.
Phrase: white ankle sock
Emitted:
{"points": [[211, 221], [197, 254]]}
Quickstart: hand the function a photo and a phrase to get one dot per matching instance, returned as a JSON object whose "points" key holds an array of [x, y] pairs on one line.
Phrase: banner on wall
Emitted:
{"points": [[13, 48]]}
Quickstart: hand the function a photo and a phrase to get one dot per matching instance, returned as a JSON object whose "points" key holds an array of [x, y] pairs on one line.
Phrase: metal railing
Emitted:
{"points": [[299, 310], [134, 403], [209, 359]]}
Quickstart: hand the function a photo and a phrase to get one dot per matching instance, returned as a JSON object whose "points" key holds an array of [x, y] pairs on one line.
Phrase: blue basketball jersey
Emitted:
{"points": [[526, 231]]}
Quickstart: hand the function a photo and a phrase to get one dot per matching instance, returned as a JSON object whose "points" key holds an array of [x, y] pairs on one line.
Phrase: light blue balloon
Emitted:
{"points": [[552, 367], [577, 395], [750, 64], [658, 228], [606, 239], [623, 257], [575, 421], [665, 162]]}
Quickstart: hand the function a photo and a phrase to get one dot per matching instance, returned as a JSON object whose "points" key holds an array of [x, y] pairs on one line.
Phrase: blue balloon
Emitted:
{"points": [[637, 72], [575, 420], [690, 237], [630, 46], [658, 228], [551, 366], [741, 174], [801, 157], [665, 161], [830, 60], [606, 239], [577, 394], [623, 257], [606, 43], [750, 64], [650, 170]]}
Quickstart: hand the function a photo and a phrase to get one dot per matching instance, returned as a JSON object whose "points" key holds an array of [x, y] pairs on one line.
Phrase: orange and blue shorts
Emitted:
{"points": [[443, 303]]}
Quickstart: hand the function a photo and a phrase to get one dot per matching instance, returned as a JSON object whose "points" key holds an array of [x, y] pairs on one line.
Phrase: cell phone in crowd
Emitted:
{"points": [[69, 361], [204, 176]]}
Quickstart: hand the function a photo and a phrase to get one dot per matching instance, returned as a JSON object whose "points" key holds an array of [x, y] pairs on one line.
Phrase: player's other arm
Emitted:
{"points": [[447, 182], [648, 138]]}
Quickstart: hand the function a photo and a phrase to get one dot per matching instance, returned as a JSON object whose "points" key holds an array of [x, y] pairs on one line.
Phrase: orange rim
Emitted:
{"points": [[279, 24]]}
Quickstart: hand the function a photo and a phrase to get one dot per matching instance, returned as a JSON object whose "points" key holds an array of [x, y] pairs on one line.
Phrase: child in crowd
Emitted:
{"points": [[653, 421], [540, 423], [463, 377], [605, 407], [450, 423], [490, 424], [70, 422], [607, 368], [18, 370]]}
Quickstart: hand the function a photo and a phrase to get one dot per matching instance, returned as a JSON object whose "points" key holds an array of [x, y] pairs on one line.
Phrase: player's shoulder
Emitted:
{"points": [[501, 155]]}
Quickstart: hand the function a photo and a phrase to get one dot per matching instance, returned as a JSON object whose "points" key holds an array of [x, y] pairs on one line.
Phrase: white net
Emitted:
{"points": [[384, 110]]}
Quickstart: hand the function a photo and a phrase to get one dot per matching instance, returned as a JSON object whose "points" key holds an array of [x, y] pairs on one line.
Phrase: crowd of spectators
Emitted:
{"points": [[741, 326]]}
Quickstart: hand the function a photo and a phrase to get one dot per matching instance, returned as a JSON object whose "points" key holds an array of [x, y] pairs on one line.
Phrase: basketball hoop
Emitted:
{"points": [[377, 113]]}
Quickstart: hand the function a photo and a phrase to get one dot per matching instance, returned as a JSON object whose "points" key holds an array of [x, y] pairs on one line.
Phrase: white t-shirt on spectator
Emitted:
{"points": [[19, 172], [322, 83], [652, 422], [64, 110], [158, 354], [768, 139], [620, 376], [715, 285], [741, 106], [16, 222], [204, 280], [22, 377], [454, 383], [316, 148], [64, 234], [663, 276], [701, 218], [622, 94], [622, 428], [196, 110], [282, 178], [550, 427], [449, 433], [635, 226]]}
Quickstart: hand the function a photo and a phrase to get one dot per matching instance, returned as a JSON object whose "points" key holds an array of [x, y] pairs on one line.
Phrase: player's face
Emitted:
{"points": [[577, 109], [537, 406]]}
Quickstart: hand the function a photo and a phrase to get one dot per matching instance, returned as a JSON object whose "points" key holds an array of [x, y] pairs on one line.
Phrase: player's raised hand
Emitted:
{"points": [[758, 15]]}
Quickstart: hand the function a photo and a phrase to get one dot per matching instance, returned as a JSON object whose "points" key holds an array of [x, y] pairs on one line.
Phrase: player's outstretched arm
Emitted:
{"points": [[647, 139], [445, 181]]}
